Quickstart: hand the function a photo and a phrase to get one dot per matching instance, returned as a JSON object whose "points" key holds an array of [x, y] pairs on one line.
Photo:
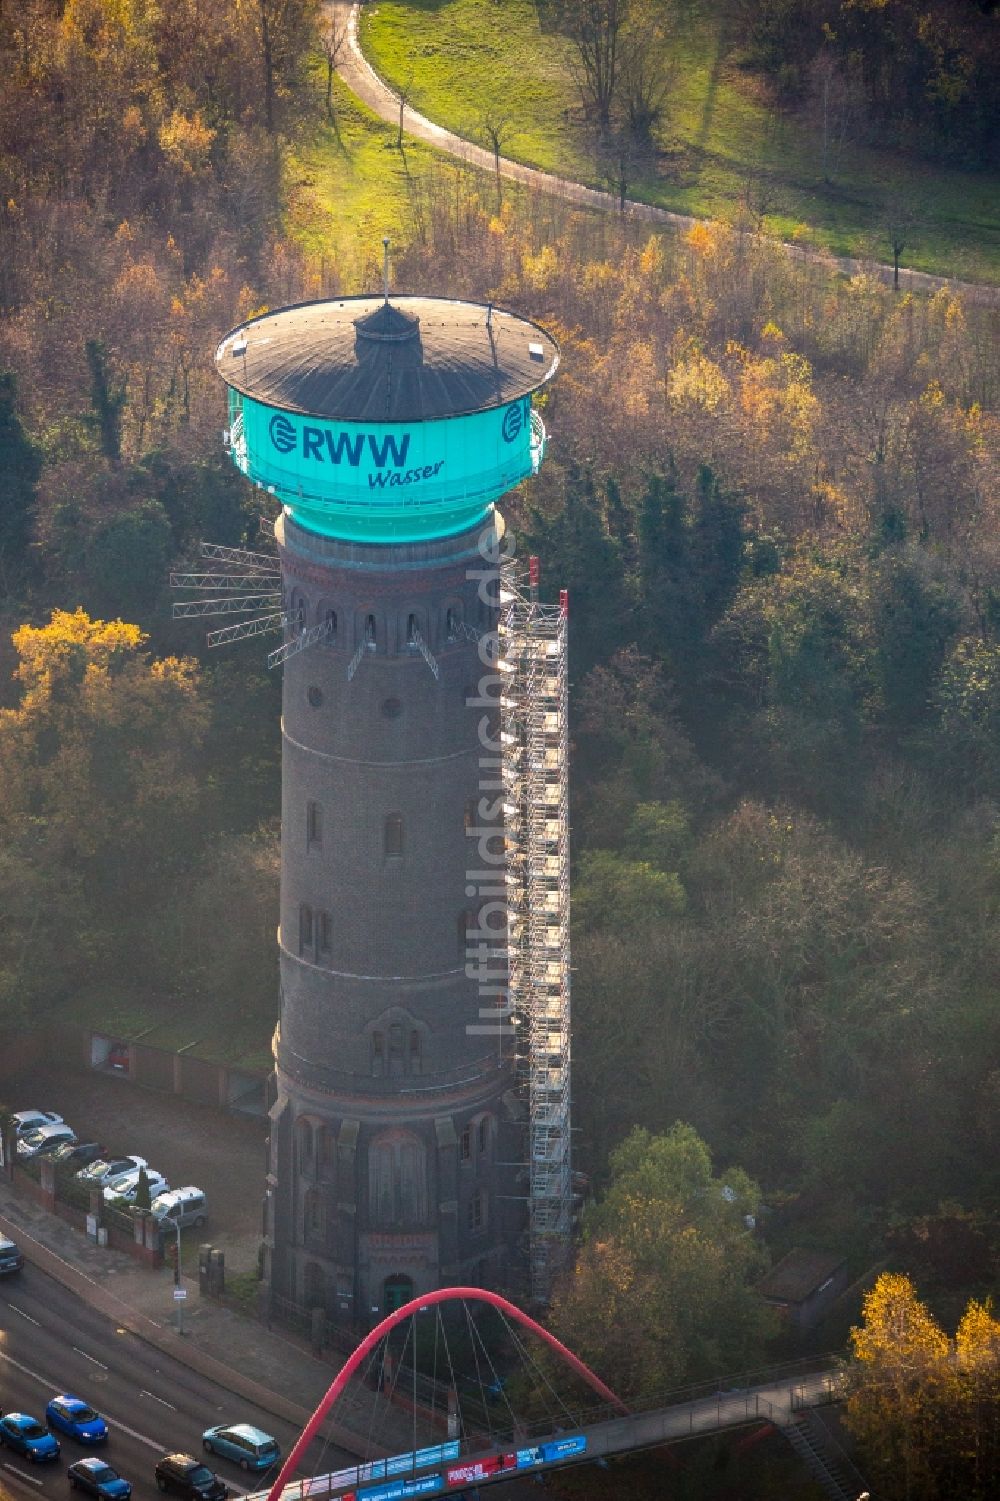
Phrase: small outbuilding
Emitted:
{"points": [[804, 1285]]}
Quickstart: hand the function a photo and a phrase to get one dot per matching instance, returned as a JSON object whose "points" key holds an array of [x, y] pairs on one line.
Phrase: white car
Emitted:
{"points": [[44, 1139], [108, 1170], [126, 1188], [30, 1120]]}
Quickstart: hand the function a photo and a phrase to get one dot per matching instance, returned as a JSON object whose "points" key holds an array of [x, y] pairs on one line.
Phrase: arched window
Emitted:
{"points": [[415, 1051], [305, 928], [305, 1146], [370, 636], [314, 1219], [397, 1058], [451, 624], [324, 933], [297, 615], [393, 842], [483, 1136], [330, 620], [465, 1145], [378, 1053], [463, 923], [411, 632], [397, 1179], [314, 826]]}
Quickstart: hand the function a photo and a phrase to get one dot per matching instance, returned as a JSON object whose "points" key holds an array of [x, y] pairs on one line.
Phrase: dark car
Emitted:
{"points": [[11, 1259], [27, 1436], [187, 1476], [77, 1419], [76, 1154], [97, 1478]]}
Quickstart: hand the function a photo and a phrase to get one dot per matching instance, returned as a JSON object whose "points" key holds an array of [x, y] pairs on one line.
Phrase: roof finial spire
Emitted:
{"points": [[385, 266]]}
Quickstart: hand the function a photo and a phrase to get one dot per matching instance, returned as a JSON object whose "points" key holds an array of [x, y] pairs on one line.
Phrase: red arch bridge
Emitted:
{"points": [[481, 1440]]}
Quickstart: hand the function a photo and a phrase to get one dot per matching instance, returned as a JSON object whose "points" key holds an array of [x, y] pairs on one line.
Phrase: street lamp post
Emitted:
{"points": [[177, 1281]]}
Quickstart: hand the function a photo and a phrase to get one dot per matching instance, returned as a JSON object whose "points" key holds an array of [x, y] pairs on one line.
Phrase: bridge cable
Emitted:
{"points": [[498, 1383], [475, 1355], [528, 1359], [451, 1371]]}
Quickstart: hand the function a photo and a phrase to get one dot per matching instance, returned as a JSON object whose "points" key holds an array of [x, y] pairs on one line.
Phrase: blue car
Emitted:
{"points": [[251, 1448], [70, 1415], [96, 1478], [27, 1436]]}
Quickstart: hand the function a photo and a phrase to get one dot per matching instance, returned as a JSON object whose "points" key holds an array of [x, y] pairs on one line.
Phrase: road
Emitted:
{"points": [[50, 1342]]}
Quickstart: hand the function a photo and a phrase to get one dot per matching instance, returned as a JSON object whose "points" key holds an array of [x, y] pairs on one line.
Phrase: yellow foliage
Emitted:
{"points": [[695, 380], [186, 142], [541, 270]]}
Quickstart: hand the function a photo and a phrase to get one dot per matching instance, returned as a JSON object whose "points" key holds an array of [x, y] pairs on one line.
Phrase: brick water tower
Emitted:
{"points": [[387, 428]]}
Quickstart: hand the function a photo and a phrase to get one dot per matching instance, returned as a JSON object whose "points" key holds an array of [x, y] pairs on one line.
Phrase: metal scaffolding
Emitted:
{"points": [[535, 758]]}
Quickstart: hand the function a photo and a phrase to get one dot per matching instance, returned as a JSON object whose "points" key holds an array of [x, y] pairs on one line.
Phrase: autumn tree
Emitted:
{"points": [[662, 1290], [20, 468]]}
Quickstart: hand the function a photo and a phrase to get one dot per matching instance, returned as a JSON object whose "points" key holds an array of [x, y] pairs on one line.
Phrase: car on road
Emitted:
{"points": [[11, 1259], [106, 1170], [29, 1120], [126, 1188], [97, 1478], [26, 1435], [77, 1154], [187, 1476], [74, 1417], [249, 1447], [43, 1141]]}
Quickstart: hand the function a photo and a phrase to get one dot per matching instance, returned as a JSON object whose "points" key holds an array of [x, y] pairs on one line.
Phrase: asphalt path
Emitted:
{"points": [[52, 1342]]}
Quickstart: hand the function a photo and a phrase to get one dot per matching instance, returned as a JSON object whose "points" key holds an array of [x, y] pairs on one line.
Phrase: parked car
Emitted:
{"points": [[11, 1259], [187, 1476], [97, 1478], [30, 1120], [126, 1188], [107, 1170], [180, 1206], [26, 1435], [76, 1154], [72, 1416], [44, 1139], [251, 1448]]}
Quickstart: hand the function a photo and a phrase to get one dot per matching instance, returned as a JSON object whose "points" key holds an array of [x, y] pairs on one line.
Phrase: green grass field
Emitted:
{"points": [[461, 58]]}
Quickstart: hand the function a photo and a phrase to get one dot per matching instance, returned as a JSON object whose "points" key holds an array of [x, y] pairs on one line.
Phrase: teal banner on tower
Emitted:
{"points": [[386, 482]]}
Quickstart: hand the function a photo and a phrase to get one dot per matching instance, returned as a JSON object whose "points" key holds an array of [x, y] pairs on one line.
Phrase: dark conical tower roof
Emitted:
{"points": [[368, 359]]}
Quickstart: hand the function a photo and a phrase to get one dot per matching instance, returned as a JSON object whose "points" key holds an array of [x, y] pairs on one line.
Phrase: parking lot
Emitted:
{"points": [[224, 1155]]}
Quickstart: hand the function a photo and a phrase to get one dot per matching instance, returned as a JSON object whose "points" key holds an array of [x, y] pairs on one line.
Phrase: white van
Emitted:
{"points": [[180, 1206]]}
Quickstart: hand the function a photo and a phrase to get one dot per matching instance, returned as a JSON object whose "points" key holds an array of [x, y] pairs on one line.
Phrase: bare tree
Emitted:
{"points": [[403, 95], [333, 44], [645, 74], [594, 27], [835, 104], [496, 125], [899, 217]]}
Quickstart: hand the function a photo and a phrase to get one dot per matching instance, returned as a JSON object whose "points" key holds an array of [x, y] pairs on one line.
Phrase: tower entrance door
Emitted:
{"points": [[396, 1290]]}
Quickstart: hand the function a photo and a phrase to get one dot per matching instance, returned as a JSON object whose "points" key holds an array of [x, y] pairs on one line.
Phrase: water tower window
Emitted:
{"points": [[469, 817], [378, 1053], [370, 636], [415, 1051], [476, 1213], [305, 928], [314, 826], [397, 1060], [394, 834], [411, 632], [483, 1136], [298, 621], [315, 696], [391, 708], [330, 620], [463, 924], [451, 624], [465, 1145], [324, 932]]}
